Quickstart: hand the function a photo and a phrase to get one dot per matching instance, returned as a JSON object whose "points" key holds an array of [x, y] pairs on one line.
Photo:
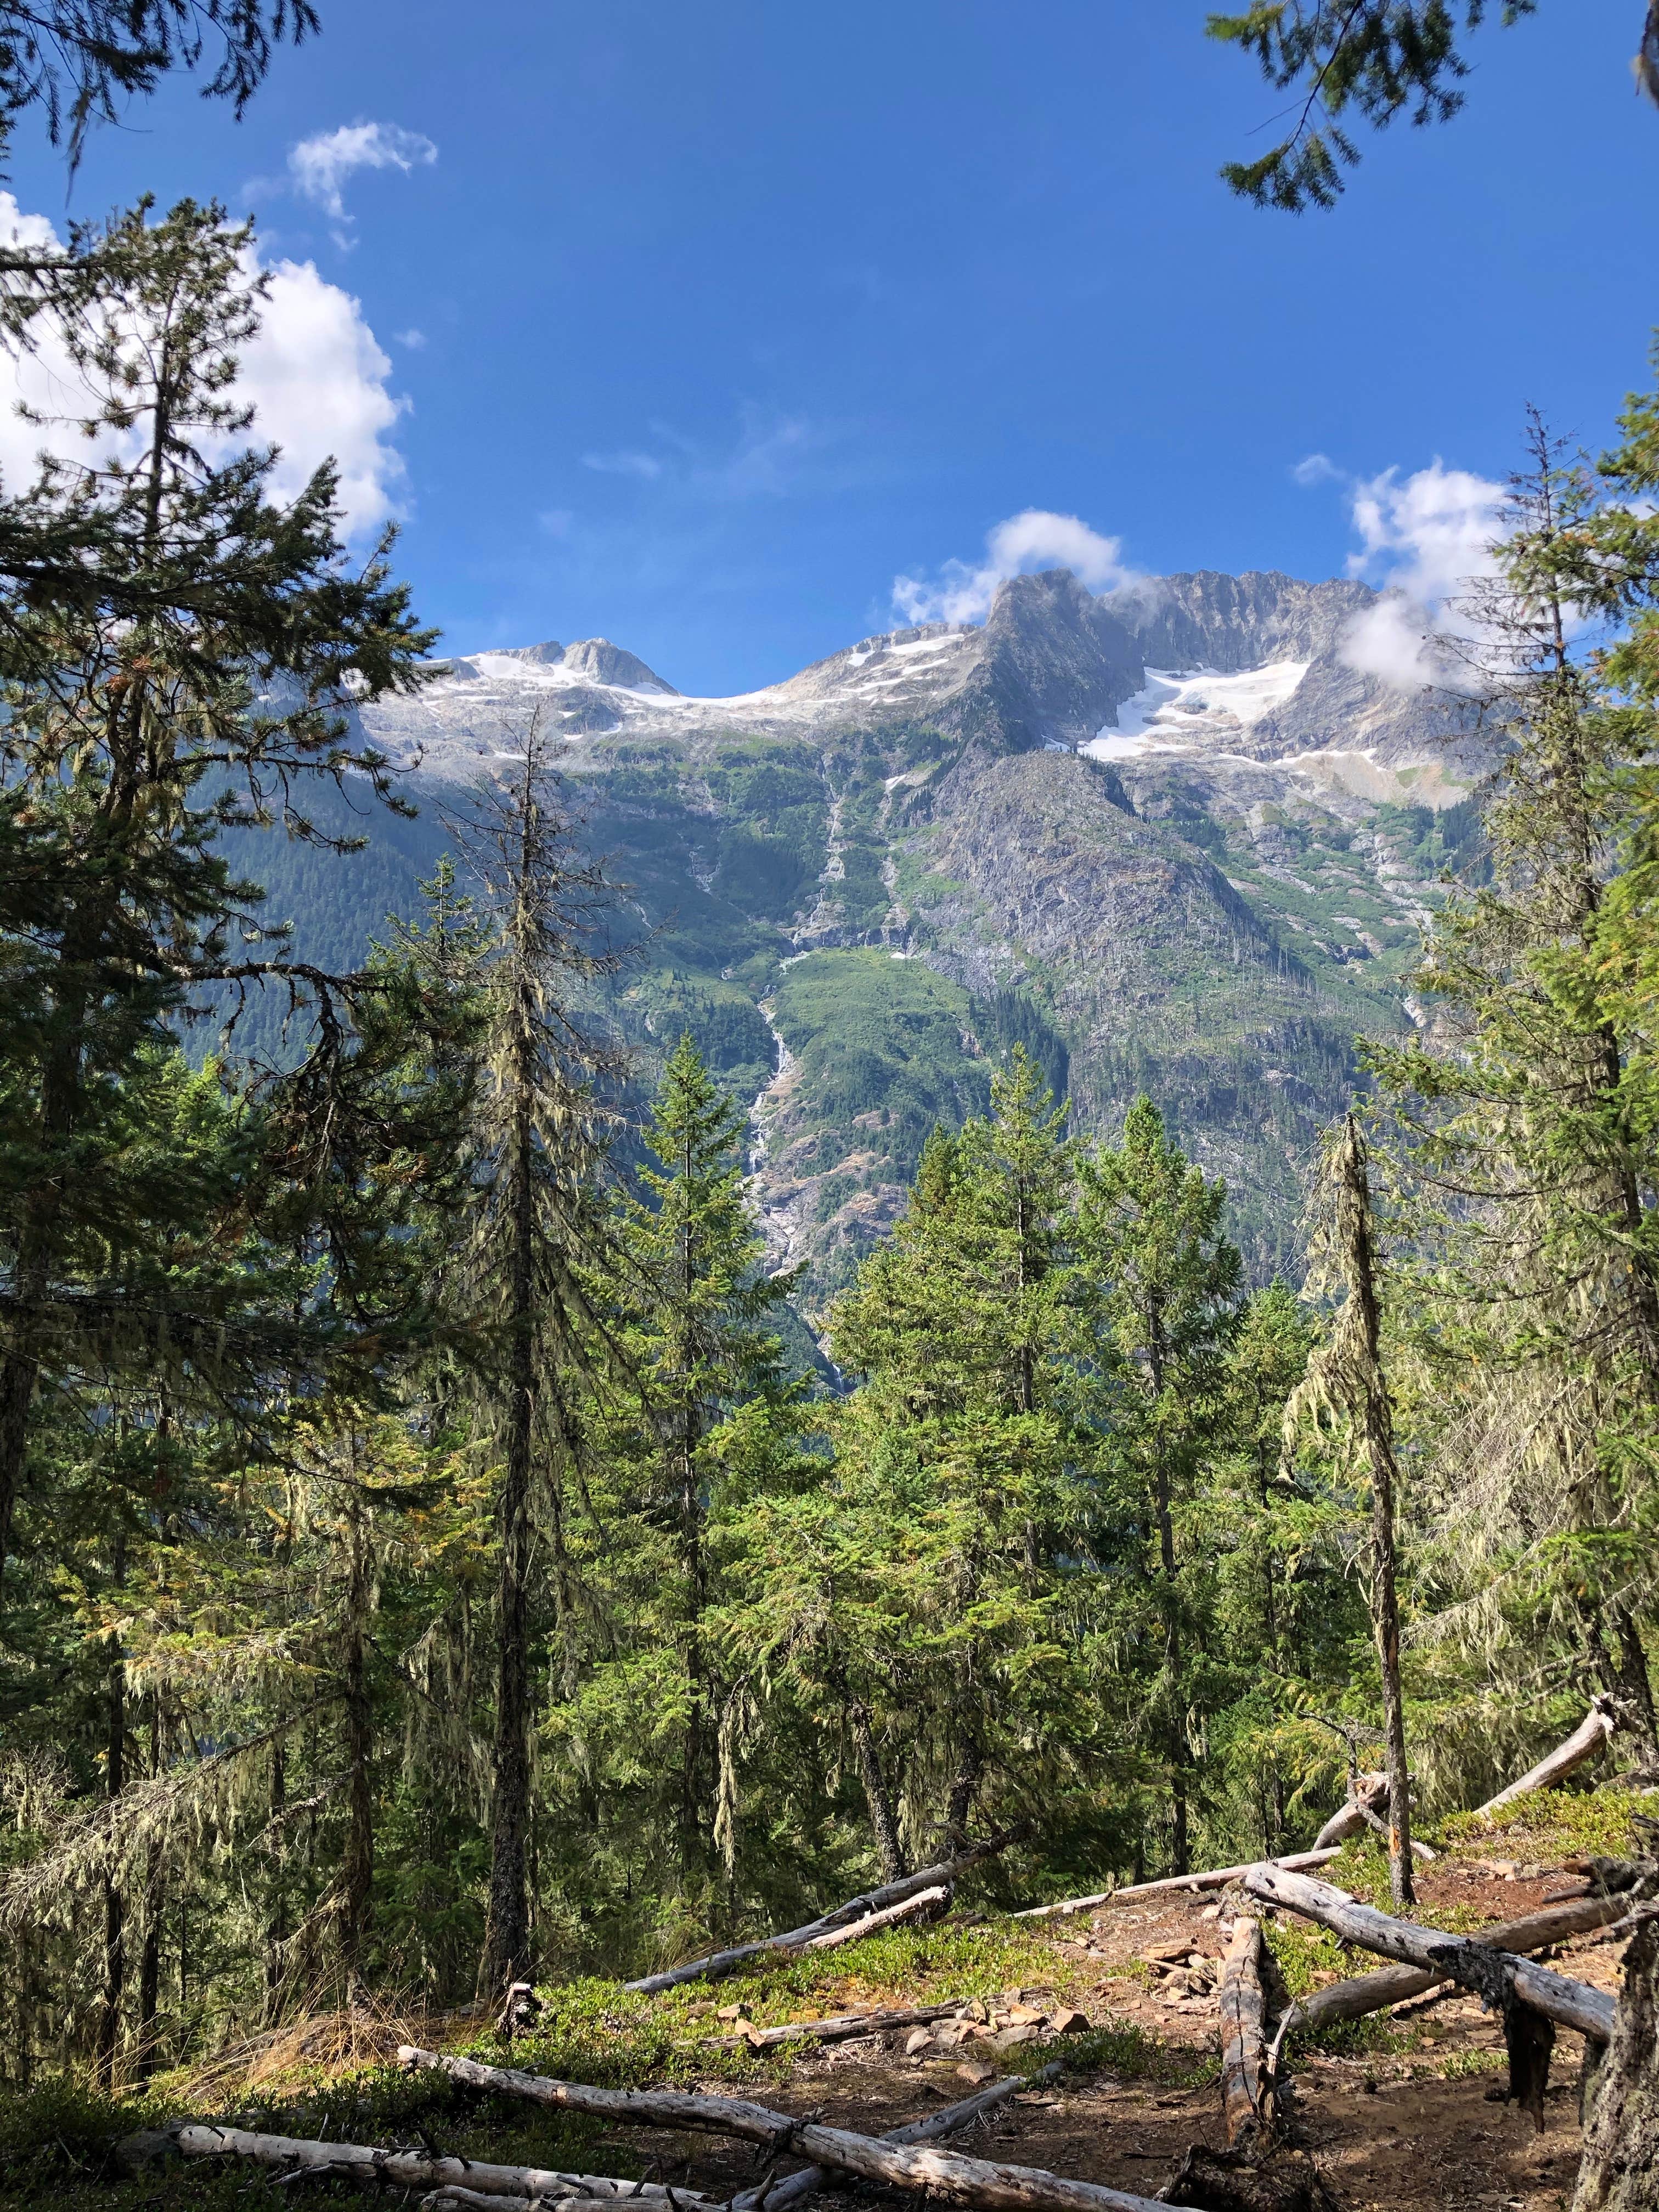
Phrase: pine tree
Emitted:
{"points": [[970, 1458], [1163, 1281], [538, 1238], [136, 727]]}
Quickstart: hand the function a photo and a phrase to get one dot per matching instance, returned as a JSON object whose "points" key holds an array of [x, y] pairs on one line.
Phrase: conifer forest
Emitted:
{"points": [[459, 1588]]}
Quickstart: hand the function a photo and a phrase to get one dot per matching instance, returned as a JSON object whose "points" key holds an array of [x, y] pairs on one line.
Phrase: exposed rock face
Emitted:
{"points": [[1053, 665], [610, 664], [901, 855], [1206, 620]]}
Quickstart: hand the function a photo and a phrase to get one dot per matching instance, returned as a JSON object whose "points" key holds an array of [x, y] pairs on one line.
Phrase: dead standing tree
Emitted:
{"points": [[1345, 1386]]}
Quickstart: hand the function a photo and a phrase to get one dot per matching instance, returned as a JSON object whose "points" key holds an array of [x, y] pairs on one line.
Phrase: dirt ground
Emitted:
{"points": [[1418, 2128]]}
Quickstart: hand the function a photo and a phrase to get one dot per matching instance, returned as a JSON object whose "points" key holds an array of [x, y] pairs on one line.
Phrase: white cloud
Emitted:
{"points": [[1024, 543], [414, 340], [315, 376], [1316, 469], [1424, 540], [645, 465], [319, 167], [765, 462]]}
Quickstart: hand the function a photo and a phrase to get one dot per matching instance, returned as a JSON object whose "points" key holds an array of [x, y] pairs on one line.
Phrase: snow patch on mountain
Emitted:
{"points": [[1174, 710]]}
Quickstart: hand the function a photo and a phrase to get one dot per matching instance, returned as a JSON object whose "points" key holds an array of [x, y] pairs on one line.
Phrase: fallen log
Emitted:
{"points": [[794, 2186], [985, 2185], [1258, 2172], [1246, 2089], [1493, 1974], [413, 2168], [844, 2028], [945, 1874], [1368, 1993], [1590, 1736], [451, 2197], [1211, 1878], [925, 1901]]}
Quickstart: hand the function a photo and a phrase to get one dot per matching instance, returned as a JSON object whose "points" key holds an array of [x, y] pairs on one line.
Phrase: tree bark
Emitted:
{"points": [[149, 1958], [1620, 2171], [797, 2185], [884, 1825], [1590, 1736], [847, 2027], [1368, 1993], [357, 1864], [1247, 2090], [926, 1901], [1163, 1508]]}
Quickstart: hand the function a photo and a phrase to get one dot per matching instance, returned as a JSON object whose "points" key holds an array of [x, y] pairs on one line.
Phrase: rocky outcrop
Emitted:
{"points": [[1053, 663], [1207, 620]]}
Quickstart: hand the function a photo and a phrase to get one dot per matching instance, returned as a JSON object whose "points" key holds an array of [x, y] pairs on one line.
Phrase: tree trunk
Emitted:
{"points": [[960, 1801], [276, 1918], [506, 1939], [1619, 2172], [115, 1942], [149, 1958], [883, 1823], [946, 1873], [357, 1864], [1368, 1993], [1180, 1751], [1377, 1418]]}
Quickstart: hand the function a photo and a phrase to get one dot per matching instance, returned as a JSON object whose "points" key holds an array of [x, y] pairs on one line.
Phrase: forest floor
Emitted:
{"points": [[1401, 2112]]}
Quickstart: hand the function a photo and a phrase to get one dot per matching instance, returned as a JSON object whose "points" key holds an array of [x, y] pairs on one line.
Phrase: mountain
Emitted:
{"points": [[1167, 839]]}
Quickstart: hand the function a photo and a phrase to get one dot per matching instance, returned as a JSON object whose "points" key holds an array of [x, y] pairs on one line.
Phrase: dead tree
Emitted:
{"points": [[1346, 1380]]}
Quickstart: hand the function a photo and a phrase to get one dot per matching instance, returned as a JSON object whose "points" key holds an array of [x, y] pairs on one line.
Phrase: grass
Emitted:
{"points": [[1554, 1824]]}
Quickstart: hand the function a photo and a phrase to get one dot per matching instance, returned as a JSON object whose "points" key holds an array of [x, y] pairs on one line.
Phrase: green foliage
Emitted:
{"points": [[1380, 57]]}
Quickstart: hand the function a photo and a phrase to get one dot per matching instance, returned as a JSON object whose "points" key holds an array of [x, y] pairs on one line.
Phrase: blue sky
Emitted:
{"points": [[706, 325]]}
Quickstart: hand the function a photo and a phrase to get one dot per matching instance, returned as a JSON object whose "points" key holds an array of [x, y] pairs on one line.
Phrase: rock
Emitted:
{"points": [[976, 2072], [733, 2012], [1025, 2032], [919, 2039], [1068, 2020]]}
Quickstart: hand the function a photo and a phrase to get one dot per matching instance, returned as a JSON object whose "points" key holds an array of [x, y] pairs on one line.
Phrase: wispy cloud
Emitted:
{"points": [[646, 466], [1424, 540], [319, 167], [963, 590], [767, 459]]}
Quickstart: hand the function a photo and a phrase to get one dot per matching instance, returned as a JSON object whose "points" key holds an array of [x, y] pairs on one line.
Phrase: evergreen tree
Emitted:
{"points": [[133, 732], [538, 1238], [700, 1431], [969, 1459], [1164, 1280]]}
